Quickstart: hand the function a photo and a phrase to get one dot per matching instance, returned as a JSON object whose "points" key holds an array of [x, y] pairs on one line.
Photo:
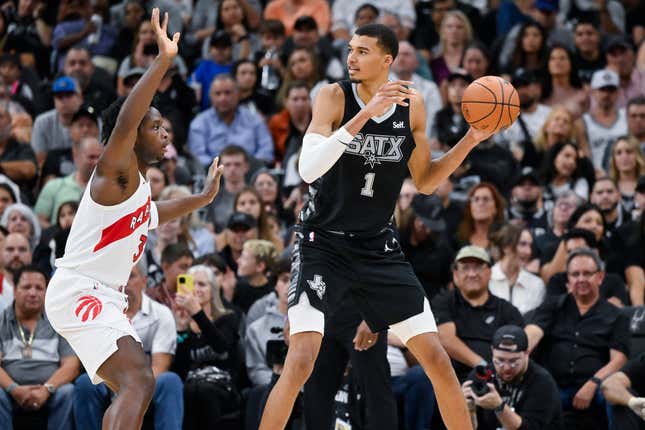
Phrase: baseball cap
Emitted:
{"points": [[604, 78], [86, 112], [472, 251], [135, 72], [429, 209], [460, 73], [548, 5], [523, 77], [240, 219], [305, 23], [527, 173], [64, 84], [510, 338], [618, 41], [221, 39]]}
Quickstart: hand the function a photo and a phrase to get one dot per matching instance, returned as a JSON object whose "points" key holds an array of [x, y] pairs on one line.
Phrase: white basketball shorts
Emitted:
{"points": [[89, 315]]}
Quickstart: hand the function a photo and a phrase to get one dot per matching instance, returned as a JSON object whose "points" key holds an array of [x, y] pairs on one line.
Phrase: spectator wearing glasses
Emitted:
{"points": [[522, 393], [584, 339], [468, 315]]}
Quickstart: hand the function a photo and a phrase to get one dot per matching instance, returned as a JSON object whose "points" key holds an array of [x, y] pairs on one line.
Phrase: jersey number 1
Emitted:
{"points": [[368, 190]]}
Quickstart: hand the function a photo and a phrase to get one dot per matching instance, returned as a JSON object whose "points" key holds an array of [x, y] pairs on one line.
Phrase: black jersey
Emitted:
{"points": [[359, 192]]}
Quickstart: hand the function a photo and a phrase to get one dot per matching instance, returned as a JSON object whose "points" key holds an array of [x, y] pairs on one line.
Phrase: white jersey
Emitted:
{"points": [[600, 137], [105, 242]]}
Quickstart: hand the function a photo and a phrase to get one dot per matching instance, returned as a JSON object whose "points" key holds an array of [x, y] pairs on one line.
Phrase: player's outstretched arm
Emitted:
{"points": [[118, 151], [427, 173], [175, 208]]}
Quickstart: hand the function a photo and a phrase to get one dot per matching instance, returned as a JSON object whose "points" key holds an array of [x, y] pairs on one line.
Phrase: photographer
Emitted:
{"points": [[520, 394]]}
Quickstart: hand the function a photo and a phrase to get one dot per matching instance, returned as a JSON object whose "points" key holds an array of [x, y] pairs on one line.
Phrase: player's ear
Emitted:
{"points": [[388, 60]]}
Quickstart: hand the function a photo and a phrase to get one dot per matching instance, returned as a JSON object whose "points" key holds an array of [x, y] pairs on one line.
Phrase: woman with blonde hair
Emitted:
{"points": [[455, 34], [626, 165], [483, 212], [193, 232], [559, 126], [207, 354]]}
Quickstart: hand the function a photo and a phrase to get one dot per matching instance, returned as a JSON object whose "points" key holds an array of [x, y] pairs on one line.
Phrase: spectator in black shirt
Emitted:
{"points": [[17, 160], [585, 339], [246, 75], [588, 56], [606, 196], [96, 84], [612, 287], [240, 228], [523, 395], [429, 254], [525, 207], [449, 122], [206, 357], [625, 390], [468, 316], [253, 267]]}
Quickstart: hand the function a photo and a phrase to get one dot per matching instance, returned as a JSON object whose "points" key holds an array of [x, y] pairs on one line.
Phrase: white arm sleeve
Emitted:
{"points": [[320, 153]]}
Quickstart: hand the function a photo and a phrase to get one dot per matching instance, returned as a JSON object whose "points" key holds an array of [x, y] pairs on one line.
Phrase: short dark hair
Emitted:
{"points": [[385, 37], [10, 190], [638, 100], [213, 260], [174, 252], [283, 265], [583, 209], [239, 63], [581, 233], [369, 6], [234, 150], [110, 115], [29, 268], [586, 252], [273, 27], [293, 85]]}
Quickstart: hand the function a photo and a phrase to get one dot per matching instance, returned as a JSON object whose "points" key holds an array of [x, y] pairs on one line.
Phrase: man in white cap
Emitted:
{"points": [[605, 121]]}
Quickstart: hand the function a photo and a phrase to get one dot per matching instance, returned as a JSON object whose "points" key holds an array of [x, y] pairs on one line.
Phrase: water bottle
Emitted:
{"points": [[270, 80]]}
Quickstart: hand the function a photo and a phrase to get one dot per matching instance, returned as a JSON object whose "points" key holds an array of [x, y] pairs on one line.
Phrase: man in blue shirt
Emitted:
{"points": [[228, 124]]}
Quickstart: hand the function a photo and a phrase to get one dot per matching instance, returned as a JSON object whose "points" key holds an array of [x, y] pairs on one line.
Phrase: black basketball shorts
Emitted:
{"points": [[328, 267]]}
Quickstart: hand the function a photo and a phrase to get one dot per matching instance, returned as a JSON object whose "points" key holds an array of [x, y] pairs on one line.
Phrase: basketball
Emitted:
{"points": [[490, 103]]}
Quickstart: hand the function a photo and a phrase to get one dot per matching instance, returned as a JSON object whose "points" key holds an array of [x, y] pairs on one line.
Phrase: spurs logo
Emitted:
{"points": [[394, 243], [376, 148], [318, 285]]}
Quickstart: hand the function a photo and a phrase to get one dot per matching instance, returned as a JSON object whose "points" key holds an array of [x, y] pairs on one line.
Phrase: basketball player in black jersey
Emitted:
{"points": [[366, 135]]}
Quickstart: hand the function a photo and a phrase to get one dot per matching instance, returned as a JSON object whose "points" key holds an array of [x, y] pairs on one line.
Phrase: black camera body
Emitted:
{"points": [[480, 379], [276, 349]]}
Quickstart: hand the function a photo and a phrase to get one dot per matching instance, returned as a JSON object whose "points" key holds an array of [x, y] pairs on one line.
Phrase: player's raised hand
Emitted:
{"points": [[167, 47], [391, 92], [211, 186]]}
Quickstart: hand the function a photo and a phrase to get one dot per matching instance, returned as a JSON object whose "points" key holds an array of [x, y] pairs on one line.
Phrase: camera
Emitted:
{"points": [[480, 379], [276, 349]]}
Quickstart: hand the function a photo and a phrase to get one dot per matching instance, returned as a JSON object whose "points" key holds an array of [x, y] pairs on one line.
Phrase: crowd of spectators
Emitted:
{"points": [[532, 253]]}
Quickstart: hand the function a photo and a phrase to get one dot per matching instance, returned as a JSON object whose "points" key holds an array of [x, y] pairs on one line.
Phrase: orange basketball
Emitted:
{"points": [[490, 103]]}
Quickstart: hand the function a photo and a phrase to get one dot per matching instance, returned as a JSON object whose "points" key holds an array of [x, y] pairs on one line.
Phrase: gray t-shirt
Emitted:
{"points": [[48, 133], [48, 348]]}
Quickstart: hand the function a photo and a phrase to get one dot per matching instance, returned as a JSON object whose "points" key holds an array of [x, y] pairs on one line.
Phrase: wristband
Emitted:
{"points": [[500, 408], [10, 387], [596, 380]]}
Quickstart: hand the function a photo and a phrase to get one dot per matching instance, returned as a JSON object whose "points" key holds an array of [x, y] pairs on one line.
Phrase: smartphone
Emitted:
{"points": [[185, 284]]}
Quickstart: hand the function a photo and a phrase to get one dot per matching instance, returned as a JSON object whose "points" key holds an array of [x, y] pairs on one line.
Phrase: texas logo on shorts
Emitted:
{"points": [[88, 308]]}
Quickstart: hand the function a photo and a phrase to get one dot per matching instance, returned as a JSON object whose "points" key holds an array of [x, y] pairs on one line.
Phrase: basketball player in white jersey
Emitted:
{"points": [[85, 301]]}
